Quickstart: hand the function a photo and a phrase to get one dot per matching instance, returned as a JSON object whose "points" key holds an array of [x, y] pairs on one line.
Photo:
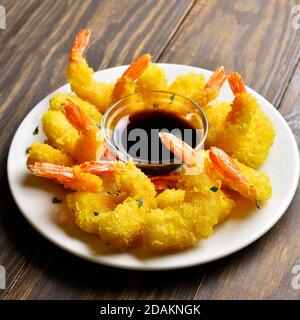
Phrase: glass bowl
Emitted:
{"points": [[157, 104]]}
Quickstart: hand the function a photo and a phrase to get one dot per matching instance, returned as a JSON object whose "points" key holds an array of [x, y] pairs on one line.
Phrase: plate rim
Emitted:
{"points": [[183, 265]]}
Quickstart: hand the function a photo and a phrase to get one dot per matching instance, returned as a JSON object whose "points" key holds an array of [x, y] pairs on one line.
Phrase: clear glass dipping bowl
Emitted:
{"points": [[167, 101]]}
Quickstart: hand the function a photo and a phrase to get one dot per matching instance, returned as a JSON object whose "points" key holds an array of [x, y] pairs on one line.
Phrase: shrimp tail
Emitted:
{"points": [[77, 117], [52, 171], [81, 42], [217, 79], [236, 83], [231, 173], [99, 167]]}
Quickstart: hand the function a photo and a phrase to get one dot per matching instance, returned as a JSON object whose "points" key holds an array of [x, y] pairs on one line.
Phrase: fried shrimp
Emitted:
{"points": [[219, 166], [212, 88], [188, 85], [80, 75], [59, 132], [42, 152], [70, 177], [153, 78], [127, 83], [248, 133], [89, 145], [62, 99]]}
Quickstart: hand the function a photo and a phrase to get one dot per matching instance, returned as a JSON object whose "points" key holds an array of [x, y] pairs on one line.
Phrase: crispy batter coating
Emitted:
{"points": [[216, 113], [181, 224], [135, 183], [80, 77], [188, 85], [170, 198], [259, 180], [121, 228], [59, 132], [88, 207], [61, 99], [248, 133], [153, 78], [42, 152]]}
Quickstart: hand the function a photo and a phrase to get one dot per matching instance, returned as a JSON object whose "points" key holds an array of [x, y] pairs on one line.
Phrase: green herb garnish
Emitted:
{"points": [[96, 213], [117, 193], [99, 125], [155, 105], [35, 131], [257, 204], [214, 189], [56, 200], [172, 98], [140, 202], [27, 150]]}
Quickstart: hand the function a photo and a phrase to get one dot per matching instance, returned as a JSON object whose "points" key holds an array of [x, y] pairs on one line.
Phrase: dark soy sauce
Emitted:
{"points": [[145, 144]]}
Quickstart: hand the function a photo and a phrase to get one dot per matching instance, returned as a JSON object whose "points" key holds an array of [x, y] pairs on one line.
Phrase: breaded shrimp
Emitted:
{"points": [[80, 75], [188, 85], [248, 133], [59, 132], [70, 177], [211, 89], [88, 207], [42, 152], [219, 166], [127, 83], [90, 143], [61, 99], [153, 78]]}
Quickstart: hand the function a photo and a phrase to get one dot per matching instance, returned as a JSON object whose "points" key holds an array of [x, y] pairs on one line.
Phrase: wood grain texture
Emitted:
{"points": [[33, 56], [253, 37]]}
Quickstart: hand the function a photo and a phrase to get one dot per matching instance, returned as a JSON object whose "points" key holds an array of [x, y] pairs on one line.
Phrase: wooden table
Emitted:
{"points": [[257, 38]]}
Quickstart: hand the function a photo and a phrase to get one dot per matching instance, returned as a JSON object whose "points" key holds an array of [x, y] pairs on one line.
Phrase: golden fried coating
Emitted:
{"points": [[188, 85], [135, 183], [170, 198], [62, 99], [259, 180], [153, 78], [254, 148], [182, 224], [80, 77], [42, 152], [216, 113], [248, 133], [121, 227], [59, 132], [88, 207]]}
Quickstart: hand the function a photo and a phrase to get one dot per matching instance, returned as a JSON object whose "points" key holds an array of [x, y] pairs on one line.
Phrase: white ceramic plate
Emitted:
{"points": [[34, 195]]}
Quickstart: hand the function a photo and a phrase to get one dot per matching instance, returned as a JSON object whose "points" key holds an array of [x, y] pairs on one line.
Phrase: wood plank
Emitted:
{"points": [[254, 37], [33, 55]]}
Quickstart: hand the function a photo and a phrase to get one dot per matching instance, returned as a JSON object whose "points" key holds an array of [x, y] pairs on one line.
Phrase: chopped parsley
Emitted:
{"points": [[257, 204], [117, 193], [35, 131], [96, 213], [214, 189], [172, 98], [155, 105], [27, 150], [99, 125], [140, 202], [56, 200]]}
